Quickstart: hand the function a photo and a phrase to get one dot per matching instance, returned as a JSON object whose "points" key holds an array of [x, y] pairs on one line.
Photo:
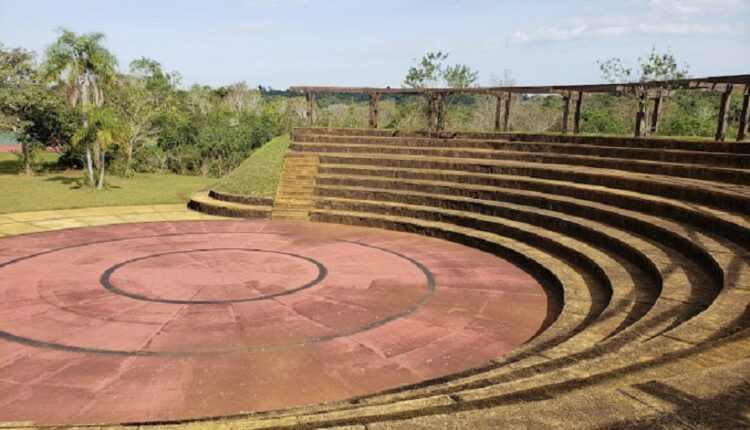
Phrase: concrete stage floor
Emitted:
{"points": [[177, 320]]}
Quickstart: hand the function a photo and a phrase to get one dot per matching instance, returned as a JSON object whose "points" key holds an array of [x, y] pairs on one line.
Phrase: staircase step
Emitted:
{"points": [[294, 195]]}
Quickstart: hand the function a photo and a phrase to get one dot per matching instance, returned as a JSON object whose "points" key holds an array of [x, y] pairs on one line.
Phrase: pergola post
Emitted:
{"points": [[640, 116], [310, 98], [655, 113], [440, 111], [577, 117], [498, 112], [432, 104], [374, 102], [506, 119], [745, 115], [566, 112], [721, 126], [436, 111]]}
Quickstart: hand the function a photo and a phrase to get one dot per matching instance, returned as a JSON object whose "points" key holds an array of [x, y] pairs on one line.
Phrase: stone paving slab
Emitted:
{"points": [[153, 320]]}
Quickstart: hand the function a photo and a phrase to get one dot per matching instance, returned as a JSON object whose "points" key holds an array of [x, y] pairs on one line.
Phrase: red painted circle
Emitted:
{"points": [[392, 309]]}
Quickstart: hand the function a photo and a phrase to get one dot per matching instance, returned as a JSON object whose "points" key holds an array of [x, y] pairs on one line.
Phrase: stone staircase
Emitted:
{"points": [[294, 196], [645, 241]]}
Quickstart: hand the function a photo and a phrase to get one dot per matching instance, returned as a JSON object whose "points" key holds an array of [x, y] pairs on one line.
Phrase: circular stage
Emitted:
{"points": [[181, 320]]}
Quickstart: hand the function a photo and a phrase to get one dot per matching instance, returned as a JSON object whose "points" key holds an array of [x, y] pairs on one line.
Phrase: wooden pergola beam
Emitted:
{"points": [[716, 83]]}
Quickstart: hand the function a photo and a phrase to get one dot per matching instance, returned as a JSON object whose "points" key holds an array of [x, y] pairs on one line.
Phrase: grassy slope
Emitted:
{"points": [[259, 174], [59, 190]]}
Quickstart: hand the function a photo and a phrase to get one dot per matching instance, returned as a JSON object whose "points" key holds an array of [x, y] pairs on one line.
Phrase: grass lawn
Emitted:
{"points": [[259, 174], [60, 189]]}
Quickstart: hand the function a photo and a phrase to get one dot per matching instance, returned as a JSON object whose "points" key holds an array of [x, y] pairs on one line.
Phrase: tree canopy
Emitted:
{"points": [[29, 108], [431, 71], [655, 67]]}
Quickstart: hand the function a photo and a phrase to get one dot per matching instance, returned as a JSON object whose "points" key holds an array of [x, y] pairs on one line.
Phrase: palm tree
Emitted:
{"points": [[84, 67], [103, 129]]}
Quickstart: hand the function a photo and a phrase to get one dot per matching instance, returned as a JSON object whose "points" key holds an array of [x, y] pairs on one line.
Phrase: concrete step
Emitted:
{"points": [[734, 198], [243, 199], [662, 143], [203, 202], [722, 159], [505, 187], [485, 157]]}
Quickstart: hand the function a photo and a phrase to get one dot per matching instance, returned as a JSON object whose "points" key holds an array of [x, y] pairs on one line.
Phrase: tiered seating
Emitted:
{"points": [[647, 243], [213, 202]]}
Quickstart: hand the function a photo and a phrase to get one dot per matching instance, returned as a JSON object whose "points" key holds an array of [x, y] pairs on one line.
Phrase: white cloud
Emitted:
{"points": [[652, 18], [262, 4], [694, 7], [274, 4], [260, 25]]}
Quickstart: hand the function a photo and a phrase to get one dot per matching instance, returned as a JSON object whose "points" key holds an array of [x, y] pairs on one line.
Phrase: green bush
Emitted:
{"points": [[598, 121]]}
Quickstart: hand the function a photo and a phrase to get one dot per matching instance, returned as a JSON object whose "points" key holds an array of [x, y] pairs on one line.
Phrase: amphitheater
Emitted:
{"points": [[549, 281]]}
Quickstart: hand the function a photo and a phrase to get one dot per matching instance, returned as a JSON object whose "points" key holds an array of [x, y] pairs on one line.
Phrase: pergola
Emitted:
{"points": [[645, 91]]}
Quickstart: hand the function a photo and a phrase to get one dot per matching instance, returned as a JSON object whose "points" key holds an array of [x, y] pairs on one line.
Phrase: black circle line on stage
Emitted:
{"points": [[430, 289], [107, 282]]}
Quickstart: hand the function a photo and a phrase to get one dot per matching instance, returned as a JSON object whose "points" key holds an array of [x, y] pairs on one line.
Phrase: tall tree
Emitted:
{"points": [[460, 76], [431, 71], [655, 67], [84, 67], [28, 107], [16, 96], [103, 128], [139, 98], [157, 81]]}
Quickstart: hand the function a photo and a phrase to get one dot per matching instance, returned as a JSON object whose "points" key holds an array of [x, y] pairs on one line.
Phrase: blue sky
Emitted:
{"points": [[373, 42]]}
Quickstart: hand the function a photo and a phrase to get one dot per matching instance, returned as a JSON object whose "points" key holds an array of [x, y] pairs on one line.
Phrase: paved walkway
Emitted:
{"points": [[12, 224], [194, 316]]}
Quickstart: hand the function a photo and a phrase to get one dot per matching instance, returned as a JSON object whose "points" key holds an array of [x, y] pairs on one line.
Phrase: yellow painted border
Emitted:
{"points": [[12, 224]]}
